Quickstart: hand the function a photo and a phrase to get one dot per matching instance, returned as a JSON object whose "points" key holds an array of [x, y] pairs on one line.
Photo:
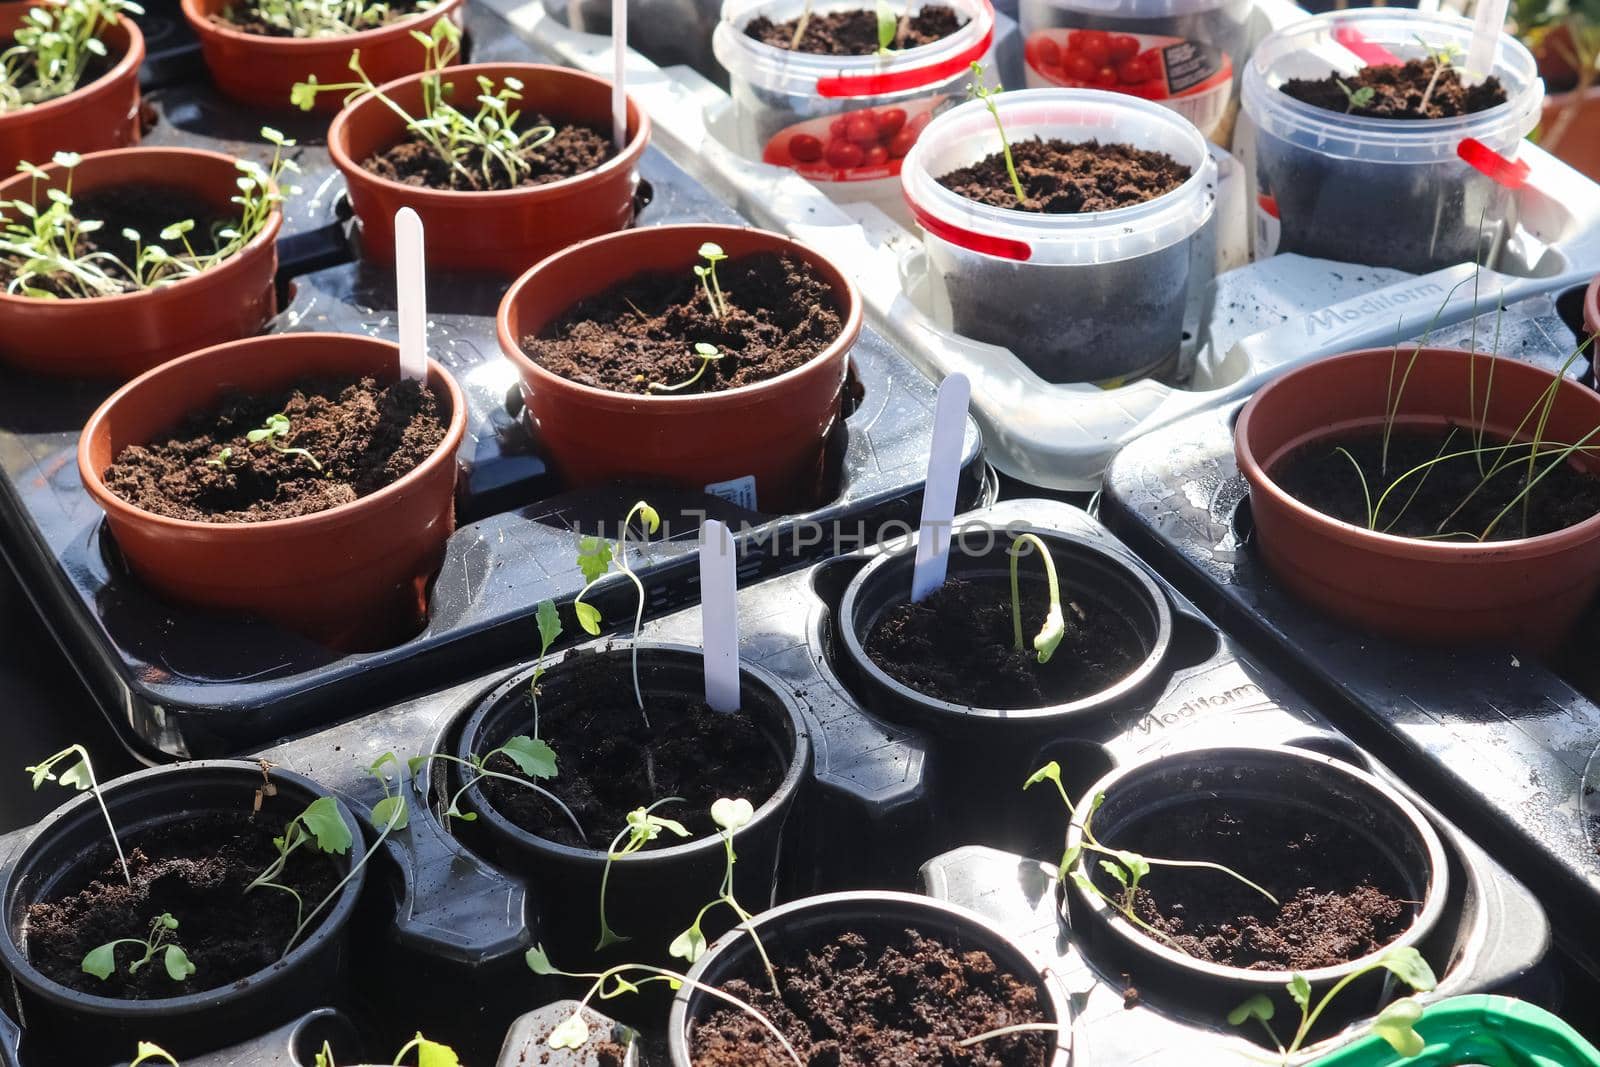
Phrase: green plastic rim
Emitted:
{"points": [[1486, 1030]]}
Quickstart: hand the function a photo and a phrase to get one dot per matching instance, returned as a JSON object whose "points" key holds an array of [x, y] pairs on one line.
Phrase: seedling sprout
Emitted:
{"points": [[977, 90], [1048, 639], [325, 18], [643, 826], [729, 815], [1443, 56], [102, 961], [278, 428], [80, 776], [149, 1052], [429, 1054], [321, 827], [713, 254], [1356, 98], [221, 459], [595, 556], [532, 757], [53, 47], [888, 24], [708, 354], [549, 621]]}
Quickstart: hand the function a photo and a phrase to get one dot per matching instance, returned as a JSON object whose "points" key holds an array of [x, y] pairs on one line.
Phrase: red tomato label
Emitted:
{"points": [[1191, 77], [856, 146]]}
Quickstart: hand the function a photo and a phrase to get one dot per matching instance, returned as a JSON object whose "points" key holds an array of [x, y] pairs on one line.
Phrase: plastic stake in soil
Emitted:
{"points": [[619, 65], [410, 282], [939, 494], [719, 617], [1486, 29]]}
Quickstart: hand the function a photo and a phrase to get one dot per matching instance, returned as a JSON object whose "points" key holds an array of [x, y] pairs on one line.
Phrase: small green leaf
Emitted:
{"points": [[101, 961], [538, 961], [689, 945], [1396, 1024], [712, 251], [77, 776], [648, 516], [167, 921], [1300, 990], [1050, 772], [1137, 866], [887, 21], [1115, 870], [1257, 1007], [391, 812], [533, 758], [1069, 860], [549, 620], [415, 763], [588, 617], [177, 963], [732, 814], [1049, 636], [1407, 964], [433, 1054], [594, 556], [572, 1033], [323, 819]]}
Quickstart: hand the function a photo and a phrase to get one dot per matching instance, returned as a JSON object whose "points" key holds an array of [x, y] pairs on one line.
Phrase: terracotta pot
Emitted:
{"points": [[1570, 129], [506, 230], [101, 114], [1527, 591], [772, 432], [120, 336], [354, 576], [261, 70]]}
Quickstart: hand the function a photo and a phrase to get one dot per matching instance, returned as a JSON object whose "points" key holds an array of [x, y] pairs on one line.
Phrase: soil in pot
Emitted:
{"points": [[851, 1002], [1339, 899], [197, 869], [780, 314], [246, 18], [1069, 177], [1448, 499], [855, 33], [959, 645], [1399, 91], [146, 209], [363, 435], [609, 762], [574, 149]]}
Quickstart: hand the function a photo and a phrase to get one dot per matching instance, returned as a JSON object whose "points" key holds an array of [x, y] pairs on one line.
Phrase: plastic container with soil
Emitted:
{"points": [[102, 113], [1185, 54], [261, 69], [504, 230], [193, 844], [1488, 1031], [835, 111], [119, 336], [1094, 296], [1354, 866], [1526, 585], [611, 759], [840, 960], [352, 575], [1385, 192], [757, 432]]}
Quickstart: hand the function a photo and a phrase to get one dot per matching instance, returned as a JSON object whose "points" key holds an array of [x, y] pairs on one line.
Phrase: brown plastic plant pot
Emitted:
{"points": [[100, 114], [353, 577], [773, 432], [1528, 592], [505, 230], [120, 336], [261, 70]]}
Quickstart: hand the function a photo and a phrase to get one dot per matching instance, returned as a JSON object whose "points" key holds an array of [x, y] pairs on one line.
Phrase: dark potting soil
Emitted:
{"points": [[855, 33], [1399, 91], [1323, 478], [196, 869], [1069, 177], [959, 645], [1339, 899], [781, 314], [146, 209], [573, 150], [904, 1002], [246, 18], [609, 762], [364, 435]]}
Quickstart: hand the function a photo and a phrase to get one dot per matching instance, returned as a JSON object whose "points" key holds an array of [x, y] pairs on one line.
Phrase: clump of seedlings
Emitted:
{"points": [[275, 430], [61, 249], [102, 961], [318, 18], [1429, 87], [493, 145], [55, 47], [865, 31]]}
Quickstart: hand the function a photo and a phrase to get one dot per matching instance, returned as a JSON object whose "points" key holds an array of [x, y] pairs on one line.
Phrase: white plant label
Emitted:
{"points": [[619, 64], [719, 615], [411, 292], [939, 495]]}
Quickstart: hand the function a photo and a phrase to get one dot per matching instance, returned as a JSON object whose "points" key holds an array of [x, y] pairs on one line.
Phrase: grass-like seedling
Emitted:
{"points": [[485, 147], [1129, 869], [977, 90], [1396, 1023], [79, 775], [713, 254], [595, 557], [52, 49], [277, 429], [102, 962], [322, 18], [549, 622], [59, 257], [150, 1052], [708, 354], [1048, 639], [643, 827], [429, 1054], [729, 815], [533, 757], [1355, 98]]}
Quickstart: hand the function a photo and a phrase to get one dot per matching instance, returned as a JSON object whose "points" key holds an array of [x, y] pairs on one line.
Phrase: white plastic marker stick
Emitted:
{"points": [[411, 291], [719, 616], [1487, 27], [939, 494], [619, 64]]}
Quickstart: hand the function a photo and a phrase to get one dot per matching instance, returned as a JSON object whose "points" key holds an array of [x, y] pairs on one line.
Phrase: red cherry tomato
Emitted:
{"points": [[1096, 44], [805, 148], [1047, 53], [1106, 77], [862, 130], [836, 127], [876, 156], [1132, 71], [901, 143], [1123, 46], [844, 155], [891, 120], [919, 120], [1079, 67]]}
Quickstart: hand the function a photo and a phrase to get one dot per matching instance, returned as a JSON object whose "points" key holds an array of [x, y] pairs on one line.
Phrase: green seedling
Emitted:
{"points": [[221, 459], [1048, 639], [532, 757], [149, 1052], [707, 273], [977, 90], [323, 18], [320, 826], [643, 827], [549, 621], [1356, 98], [708, 354], [278, 428], [729, 815], [429, 1054], [52, 47], [1443, 57], [58, 255], [79, 775], [573, 1031], [485, 148], [1396, 1024], [595, 557], [1128, 869], [102, 961], [888, 25]]}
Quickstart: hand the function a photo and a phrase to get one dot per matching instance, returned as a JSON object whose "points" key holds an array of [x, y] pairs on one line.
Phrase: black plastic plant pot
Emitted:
{"points": [[1086, 571], [1298, 797], [71, 844], [653, 894], [788, 932]]}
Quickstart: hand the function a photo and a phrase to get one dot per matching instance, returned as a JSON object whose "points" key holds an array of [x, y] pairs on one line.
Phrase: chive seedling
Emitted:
{"points": [[1048, 639], [102, 961], [149, 1052], [276, 428], [729, 815], [707, 273], [1396, 1024], [708, 354], [595, 557], [977, 90], [643, 826], [80, 776]]}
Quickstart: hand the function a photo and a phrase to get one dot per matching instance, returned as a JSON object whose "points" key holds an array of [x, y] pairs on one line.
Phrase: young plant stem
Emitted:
{"points": [[729, 815], [81, 776], [979, 91], [395, 819], [1054, 628], [643, 826], [1007, 1031], [800, 28], [479, 773]]}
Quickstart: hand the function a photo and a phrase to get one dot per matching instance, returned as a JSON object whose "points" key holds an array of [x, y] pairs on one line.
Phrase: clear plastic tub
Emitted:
{"points": [[845, 122], [1095, 297], [1185, 54], [1383, 192]]}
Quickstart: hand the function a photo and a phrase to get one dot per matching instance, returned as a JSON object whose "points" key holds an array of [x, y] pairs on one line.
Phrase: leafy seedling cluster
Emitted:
{"points": [[276, 430], [429, 1054], [713, 254], [322, 18], [53, 47], [102, 961]]}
